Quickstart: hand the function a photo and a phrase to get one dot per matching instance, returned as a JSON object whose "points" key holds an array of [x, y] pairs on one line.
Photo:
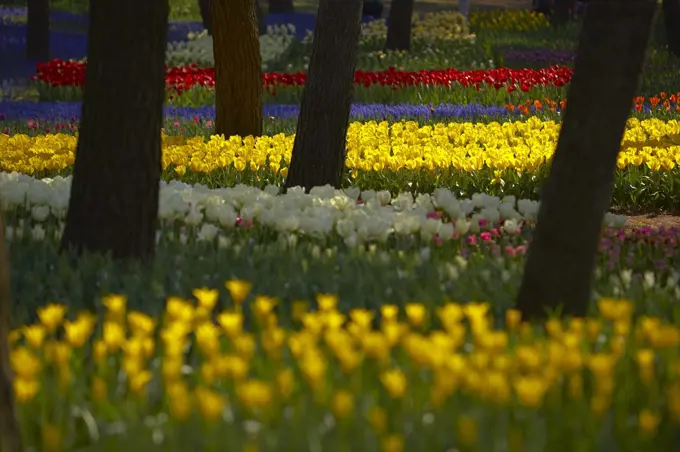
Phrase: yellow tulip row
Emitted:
{"points": [[509, 20], [520, 146], [440, 26], [589, 359]]}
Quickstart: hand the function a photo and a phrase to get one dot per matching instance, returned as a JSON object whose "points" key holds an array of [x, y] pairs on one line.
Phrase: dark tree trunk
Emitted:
{"points": [[373, 8], [562, 13], [281, 6], [671, 18], [399, 25], [261, 25], [206, 15], [561, 257], [10, 433], [38, 30], [320, 142], [114, 196], [238, 70]]}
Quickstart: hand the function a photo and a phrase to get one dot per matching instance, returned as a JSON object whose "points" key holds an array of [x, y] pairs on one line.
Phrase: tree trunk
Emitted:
{"points": [[38, 30], [574, 199], [261, 25], [114, 194], [399, 25], [373, 8], [10, 433], [281, 6], [320, 143], [238, 71], [206, 15], [671, 18], [563, 8]]}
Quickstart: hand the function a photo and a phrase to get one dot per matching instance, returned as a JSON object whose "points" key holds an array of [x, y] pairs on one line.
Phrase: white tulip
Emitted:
{"points": [[14, 194], [345, 227], [39, 192], [462, 226], [384, 197], [194, 217], [325, 192], [403, 202], [490, 214], [227, 216], [207, 232], [40, 213], [353, 193], [510, 226], [445, 231], [367, 195], [429, 227], [272, 190]]}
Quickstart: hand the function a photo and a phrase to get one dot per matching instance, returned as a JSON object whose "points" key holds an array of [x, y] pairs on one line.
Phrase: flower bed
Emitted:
{"points": [[57, 75], [35, 117], [315, 341], [409, 379], [198, 49], [194, 86], [499, 159], [357, 217], [521, 20], [297, 243], [48, 112]]}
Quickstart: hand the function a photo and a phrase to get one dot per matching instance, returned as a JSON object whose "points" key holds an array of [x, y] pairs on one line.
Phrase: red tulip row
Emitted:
{"points": [[179, 79]]}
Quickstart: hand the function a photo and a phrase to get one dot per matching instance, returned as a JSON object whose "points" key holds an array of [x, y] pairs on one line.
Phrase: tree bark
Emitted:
{"points": [[562, 13], [281, 6], [10, 432], [399, 25], [671, 18], [38, 30], [114, 194], [574, 200], [238, 70], [206, 15], [319, 150]]}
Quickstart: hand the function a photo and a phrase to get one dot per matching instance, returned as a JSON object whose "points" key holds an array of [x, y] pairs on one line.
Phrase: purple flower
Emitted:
{"points": [[53, 111]]}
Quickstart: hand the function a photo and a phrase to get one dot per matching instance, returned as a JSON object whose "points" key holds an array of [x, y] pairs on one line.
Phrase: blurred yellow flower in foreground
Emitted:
{"points": [[427, 360]]}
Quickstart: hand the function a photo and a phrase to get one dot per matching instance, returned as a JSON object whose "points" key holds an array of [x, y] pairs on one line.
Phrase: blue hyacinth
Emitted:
{"points": [[67, 111]]}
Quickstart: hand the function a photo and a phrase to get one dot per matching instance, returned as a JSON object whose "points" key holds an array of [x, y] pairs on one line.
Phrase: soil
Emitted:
{"points": [[654, 221]]}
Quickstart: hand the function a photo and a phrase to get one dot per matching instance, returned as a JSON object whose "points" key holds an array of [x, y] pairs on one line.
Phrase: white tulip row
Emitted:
{"points": [[199, 48], [357, 217]]}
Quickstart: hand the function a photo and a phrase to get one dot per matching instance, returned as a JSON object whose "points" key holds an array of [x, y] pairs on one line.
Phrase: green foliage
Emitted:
{"points": [[404, 270]]}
